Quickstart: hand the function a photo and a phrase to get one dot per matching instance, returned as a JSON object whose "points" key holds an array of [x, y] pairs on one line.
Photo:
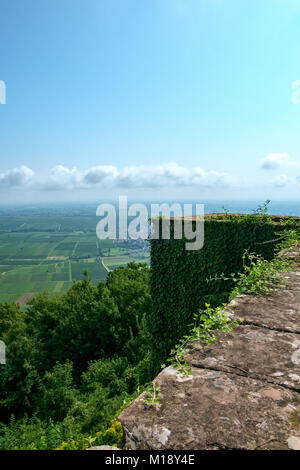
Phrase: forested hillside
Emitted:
{"points": [[73, 361]]}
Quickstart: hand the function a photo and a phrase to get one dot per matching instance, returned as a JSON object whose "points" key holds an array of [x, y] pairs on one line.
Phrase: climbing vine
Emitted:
{"points": [[183, 281]]}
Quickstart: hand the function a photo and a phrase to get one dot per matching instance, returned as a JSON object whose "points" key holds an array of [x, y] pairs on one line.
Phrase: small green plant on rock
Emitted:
{"points": [[204, 327], [152, 395]]}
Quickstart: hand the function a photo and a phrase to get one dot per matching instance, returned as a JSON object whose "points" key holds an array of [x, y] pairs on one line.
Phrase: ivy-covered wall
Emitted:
{"points": [[179, 277]]}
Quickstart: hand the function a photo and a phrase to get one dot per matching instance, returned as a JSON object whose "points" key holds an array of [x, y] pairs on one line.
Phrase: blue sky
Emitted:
{"points": [[153, 99]]}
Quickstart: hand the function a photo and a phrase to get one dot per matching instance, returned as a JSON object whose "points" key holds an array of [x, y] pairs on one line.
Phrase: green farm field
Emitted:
{"points": [[32, 262]]}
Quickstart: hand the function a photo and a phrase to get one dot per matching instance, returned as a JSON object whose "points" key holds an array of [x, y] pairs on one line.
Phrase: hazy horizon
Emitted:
{"points": [[287, 208]]}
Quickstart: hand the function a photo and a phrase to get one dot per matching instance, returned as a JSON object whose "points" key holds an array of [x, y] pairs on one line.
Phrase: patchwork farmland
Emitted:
{"points": [[33, 262]]}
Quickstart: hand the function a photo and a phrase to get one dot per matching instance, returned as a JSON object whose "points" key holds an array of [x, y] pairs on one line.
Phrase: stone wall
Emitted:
{"points": [[243, 392]]}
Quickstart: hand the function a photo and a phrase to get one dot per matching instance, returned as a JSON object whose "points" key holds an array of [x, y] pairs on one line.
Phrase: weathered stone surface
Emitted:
{"points": [[293, 281], [212, 410], [279, 310], [243, 392], [294, 443], [253, 352], [293, 253]]}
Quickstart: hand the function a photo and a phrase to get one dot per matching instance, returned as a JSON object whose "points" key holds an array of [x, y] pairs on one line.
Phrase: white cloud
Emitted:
{"points": [[100, 173], [274, 160], [277, 160], [61, 178], [281, 181], [153, 176], [21, 176]]}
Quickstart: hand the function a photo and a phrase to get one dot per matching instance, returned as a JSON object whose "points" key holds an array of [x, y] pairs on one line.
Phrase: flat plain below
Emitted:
{"points": [[36, 261]]}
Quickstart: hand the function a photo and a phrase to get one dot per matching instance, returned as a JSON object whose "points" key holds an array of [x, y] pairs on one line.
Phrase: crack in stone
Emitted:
{"points": [[272, 328], [223, 447], [247, 375]]}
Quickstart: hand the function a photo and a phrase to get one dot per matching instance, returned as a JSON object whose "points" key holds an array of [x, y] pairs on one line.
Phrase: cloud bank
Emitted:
{"points": [[155, 178], [106, 176]]}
